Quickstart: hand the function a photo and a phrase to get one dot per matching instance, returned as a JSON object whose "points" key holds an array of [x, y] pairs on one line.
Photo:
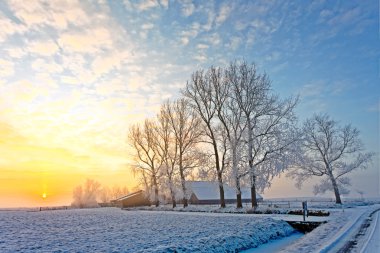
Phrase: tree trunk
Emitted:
{"points": [[183, 183], [250, 163], [336, 189], [221, 190], [156, 201], [173, 201], [253, 191], [239, 203], [218, 170], [172, 194], [185, 204]]}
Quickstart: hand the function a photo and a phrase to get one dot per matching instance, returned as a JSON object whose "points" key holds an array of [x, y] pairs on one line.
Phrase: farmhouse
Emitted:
{"points": [[207, 192], [131, 200]]}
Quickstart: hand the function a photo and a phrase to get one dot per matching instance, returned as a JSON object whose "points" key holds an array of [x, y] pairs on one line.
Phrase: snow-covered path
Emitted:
{"points": [[372, 239], [333, 236]]}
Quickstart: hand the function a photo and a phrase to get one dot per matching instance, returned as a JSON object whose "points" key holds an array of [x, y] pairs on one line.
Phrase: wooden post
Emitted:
{"points": [[304, 208]]}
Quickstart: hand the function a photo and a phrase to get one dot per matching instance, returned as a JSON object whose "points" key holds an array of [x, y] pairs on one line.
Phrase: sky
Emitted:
{"points": [[75, 74]]}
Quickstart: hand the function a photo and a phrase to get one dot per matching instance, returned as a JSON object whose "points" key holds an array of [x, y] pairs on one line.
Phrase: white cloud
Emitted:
{"points": [[240, 25], [44, 48], [41, 65], [69, 80], [187, 8], [234, 43], [213, 39], [105, 63], [57, 14], [147, 26], [202, 46], [110, 87], [7, 68], [16, 52], [224, 12], [313, 89], [201, 58], [165, 3], [185, 40], [92, 41], [9, 28], [147, 4]]}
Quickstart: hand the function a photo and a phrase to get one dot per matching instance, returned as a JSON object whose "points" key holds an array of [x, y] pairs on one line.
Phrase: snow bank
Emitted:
{"points": [[330, 237], [114, 230]]}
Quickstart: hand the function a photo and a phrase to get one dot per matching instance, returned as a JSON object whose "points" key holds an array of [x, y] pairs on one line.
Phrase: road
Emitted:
{"points": [[372, 238]]}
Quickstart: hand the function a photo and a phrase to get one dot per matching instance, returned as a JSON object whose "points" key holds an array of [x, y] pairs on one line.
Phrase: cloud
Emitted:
{"points": [[234, 43], [313, 89], [44, 48], [224, 12], [201, 58], [7, 68], [147, 26], [147, 4], [56, 14], [91, 41], [103, 64], [42, 65], [185, 41], [9, 28], [202, 46], [345, 17], [165, 3], [187, 8]]}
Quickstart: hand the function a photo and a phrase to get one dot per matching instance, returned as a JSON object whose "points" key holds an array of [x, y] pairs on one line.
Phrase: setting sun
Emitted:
{"points": [[44, 195]]}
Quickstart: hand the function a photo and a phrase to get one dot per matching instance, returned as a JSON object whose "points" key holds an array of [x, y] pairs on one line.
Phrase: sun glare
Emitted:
{"points": [[44, 195]]}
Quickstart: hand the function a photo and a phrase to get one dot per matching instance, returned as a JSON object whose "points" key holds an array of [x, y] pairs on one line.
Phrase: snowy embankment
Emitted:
{"points": [[113, 230], [344, 224]]}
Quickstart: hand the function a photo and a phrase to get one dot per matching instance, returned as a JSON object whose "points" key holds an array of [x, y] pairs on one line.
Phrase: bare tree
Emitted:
{"points": [[232, 118], [85, 196], [270, 123], [105, 194], [143, 141], [167, 148], [331, 152], [200, 91], [185, 124]]}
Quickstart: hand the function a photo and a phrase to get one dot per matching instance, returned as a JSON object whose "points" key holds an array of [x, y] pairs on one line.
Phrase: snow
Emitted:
{"points": [[371, 242], [332, 236], [114, 230], [205, 190], [275, 245]]}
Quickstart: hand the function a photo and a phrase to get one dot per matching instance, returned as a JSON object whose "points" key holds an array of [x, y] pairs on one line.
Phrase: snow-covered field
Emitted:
{"points": [[114, 230]]}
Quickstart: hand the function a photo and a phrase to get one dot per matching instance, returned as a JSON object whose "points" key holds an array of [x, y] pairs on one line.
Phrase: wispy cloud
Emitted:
{"points": [[187, 7], [223, 14]]}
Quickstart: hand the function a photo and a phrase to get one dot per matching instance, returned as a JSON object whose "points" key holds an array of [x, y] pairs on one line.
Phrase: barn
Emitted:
{"points": [[207, 193], [132, 200]]}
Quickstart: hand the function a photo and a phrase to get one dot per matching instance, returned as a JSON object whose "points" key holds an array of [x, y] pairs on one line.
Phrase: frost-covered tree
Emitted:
{"points": [[167, 146], [199, 91], [270, 124], [232, 119], [146, 156], [85, 196], [186, 126], [330, 151]]}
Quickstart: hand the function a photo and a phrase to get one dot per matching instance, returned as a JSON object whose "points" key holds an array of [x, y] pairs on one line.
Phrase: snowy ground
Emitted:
{"points": [[114, 230], [343, 226]]}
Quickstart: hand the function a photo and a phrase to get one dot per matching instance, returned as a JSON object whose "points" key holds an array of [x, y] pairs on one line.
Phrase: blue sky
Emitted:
{"points": [[75, 74]]}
